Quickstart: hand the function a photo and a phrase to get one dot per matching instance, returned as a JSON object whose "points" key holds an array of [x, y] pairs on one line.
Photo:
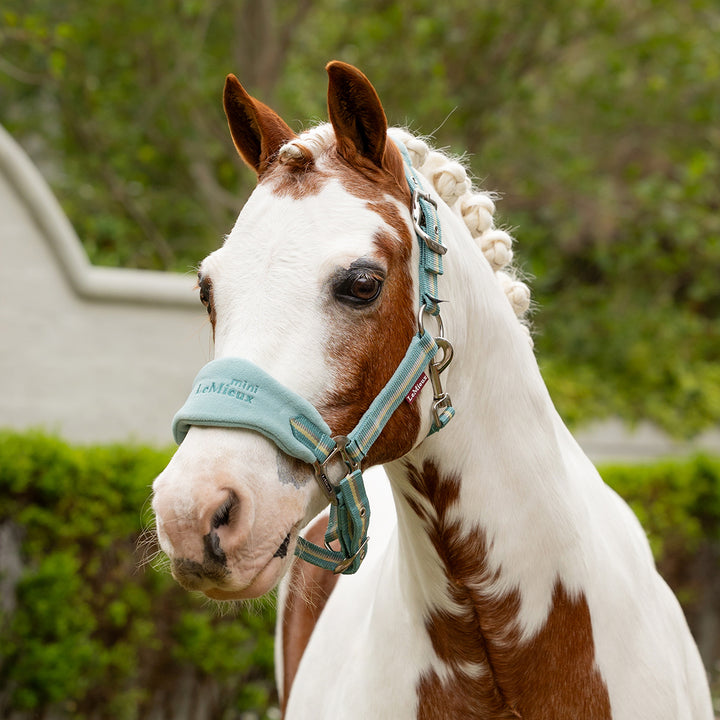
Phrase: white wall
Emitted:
{"points": [[94, 354]]}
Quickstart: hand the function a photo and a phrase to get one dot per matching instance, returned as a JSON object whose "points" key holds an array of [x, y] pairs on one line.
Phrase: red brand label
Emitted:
{"points": [[416, 388]]}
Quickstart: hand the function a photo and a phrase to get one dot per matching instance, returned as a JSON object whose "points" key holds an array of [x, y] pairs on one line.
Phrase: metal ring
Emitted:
{"points": [[421, 325], [347, 562]]}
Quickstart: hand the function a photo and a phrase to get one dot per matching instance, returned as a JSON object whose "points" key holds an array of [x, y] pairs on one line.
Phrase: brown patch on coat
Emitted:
{"points": [[296, 179], [492, 673], [307, 175], [308, 591], [369, 351]]}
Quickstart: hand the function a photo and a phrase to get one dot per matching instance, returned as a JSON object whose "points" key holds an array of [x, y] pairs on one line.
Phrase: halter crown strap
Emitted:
{"points": [[427, 229]]}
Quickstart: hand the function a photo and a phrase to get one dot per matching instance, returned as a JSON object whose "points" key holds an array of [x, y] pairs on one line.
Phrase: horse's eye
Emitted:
{"points": [[205, 286], [365, 287], [359, 286]]}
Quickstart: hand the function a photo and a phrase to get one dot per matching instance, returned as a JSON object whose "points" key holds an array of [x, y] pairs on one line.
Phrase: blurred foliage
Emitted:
{"points": [[598, 120], [676, 501], [93, 634], [678, 505]]}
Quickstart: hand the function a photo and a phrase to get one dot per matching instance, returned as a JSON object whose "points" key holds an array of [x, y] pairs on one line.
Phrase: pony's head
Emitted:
{"points": [[317, 285]]}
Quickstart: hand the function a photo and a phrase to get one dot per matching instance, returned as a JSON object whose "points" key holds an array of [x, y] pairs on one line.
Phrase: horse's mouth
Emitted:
{"points": [[263, 581], [281, 552]]}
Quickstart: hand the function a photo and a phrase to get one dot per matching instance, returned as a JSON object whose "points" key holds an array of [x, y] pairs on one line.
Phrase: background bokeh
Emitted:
{"points": [[597, 122]]}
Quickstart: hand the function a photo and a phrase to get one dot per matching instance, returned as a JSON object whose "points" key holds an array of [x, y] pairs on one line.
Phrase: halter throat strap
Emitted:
{"points": [[234, 392]]}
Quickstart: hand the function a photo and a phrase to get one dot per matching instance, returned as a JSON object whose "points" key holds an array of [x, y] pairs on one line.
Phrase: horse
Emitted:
{"points": [[366, 314]]}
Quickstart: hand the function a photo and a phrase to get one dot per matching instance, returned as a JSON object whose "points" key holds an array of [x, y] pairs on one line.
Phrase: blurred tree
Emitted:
{"points": [[597, 119], [119, 103]]}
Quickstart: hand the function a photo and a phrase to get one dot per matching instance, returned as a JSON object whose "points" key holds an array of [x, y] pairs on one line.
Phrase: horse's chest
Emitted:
{"points": [[388, 678], [359, 665], [371, 656]]}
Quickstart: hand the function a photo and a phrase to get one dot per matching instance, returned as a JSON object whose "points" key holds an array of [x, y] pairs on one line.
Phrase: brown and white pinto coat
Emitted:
{"points": [[504, 579]]}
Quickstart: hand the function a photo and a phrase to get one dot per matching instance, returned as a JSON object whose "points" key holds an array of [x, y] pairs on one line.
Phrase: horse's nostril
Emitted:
{"points": [[213, 553], [223, 515]]}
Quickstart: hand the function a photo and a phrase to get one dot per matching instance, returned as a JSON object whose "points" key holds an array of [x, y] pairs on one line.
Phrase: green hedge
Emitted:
{"points": [[96, 634], [678, 504], [677, 501]]}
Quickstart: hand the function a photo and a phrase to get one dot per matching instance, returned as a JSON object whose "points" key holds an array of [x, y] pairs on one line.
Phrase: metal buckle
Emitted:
{"points": [[441, 402], [345, 564], [321, 469], [418, 215]]}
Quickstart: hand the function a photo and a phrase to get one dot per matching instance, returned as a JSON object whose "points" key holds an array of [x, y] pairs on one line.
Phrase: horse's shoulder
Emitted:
{"points": [[308, 590]]}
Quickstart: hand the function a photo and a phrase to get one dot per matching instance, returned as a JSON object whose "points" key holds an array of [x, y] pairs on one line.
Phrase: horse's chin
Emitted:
{"points": [[260, 585]]}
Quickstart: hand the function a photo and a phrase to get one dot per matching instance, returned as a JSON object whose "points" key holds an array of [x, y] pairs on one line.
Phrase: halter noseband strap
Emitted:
{"points": [[233, 392]]}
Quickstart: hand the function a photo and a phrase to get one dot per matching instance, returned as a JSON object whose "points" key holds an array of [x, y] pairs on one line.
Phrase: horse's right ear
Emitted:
{"points": [[257, 131], [356, 114]]}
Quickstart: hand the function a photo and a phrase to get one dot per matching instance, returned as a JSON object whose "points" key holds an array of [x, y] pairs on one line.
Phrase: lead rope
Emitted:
{"points": [[349, 508]]}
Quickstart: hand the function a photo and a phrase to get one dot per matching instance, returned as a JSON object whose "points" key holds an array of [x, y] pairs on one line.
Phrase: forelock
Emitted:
{"points": [[308, 146]]}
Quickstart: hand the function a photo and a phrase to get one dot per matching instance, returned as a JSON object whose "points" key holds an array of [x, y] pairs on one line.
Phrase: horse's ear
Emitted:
{"points": [[356, 114], [257, 131]]}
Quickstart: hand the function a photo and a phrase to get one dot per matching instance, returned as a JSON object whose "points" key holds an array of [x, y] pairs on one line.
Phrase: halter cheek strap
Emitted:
{"points": [[233, 392]]}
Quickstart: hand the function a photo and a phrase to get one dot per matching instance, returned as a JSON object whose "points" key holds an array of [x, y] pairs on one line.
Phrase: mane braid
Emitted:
{"points": [[450, 178]]}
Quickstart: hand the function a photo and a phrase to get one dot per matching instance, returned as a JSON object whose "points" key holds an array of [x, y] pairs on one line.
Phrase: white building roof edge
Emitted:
{"points": [[87, 280]]}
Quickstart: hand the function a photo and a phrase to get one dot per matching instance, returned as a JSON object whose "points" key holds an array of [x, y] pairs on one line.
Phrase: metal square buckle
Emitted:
{"points": [[419, 215]]}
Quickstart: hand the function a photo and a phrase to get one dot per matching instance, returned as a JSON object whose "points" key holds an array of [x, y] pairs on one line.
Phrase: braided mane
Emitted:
{"points": [[451, 181]]}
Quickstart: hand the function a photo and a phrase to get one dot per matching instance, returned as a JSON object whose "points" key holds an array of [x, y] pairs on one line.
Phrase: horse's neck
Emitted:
{"points": [[495, 480], [490, 556], [494, 489]]}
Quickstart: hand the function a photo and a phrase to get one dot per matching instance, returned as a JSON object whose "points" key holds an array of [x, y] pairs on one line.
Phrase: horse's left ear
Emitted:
{"points": [[257, 131], [356, 114]]}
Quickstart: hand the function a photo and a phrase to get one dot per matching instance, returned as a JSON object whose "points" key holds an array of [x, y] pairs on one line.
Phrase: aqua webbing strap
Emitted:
{"points": [[444, 417], [429, 235], [351, 513], [421, 350], [312, 437], [348, 525]]}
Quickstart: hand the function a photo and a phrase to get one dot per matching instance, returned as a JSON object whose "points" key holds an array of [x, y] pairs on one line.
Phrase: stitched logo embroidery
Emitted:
{"points": [[416, 388], [239, 389]]}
